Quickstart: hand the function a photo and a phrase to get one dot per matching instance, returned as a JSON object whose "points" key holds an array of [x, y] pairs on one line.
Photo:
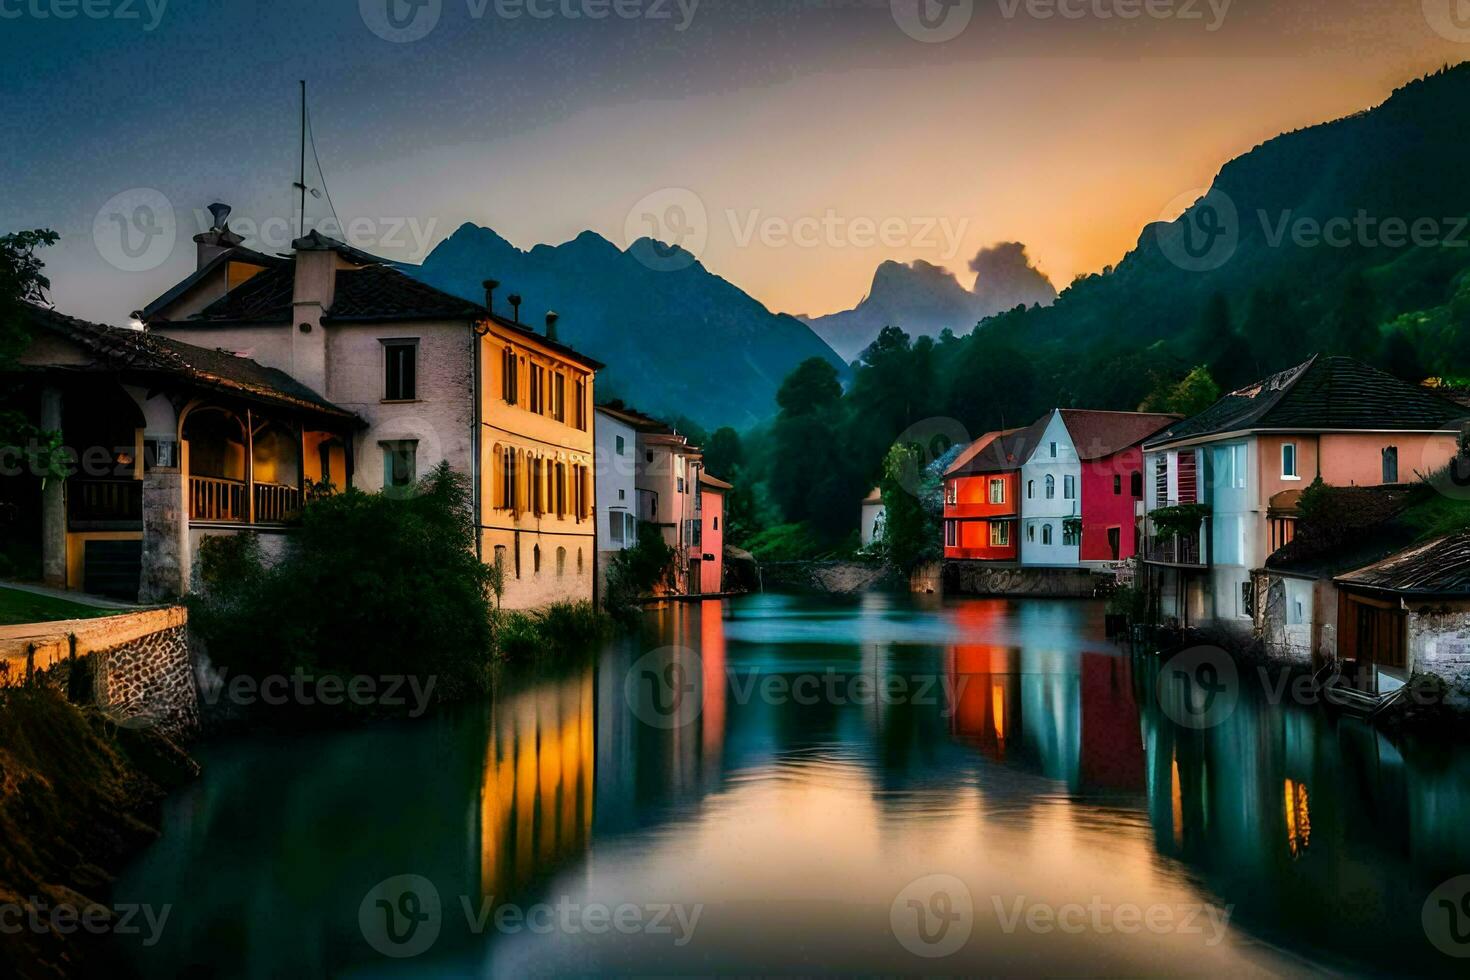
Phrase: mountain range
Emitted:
{"points": [[677, 339], [925, 299], [1355, 226]]}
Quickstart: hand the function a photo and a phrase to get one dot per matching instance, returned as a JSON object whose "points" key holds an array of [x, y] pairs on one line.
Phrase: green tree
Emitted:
{"points": [[22, 281], [723, 453], [911, 529], [1195, 393]]}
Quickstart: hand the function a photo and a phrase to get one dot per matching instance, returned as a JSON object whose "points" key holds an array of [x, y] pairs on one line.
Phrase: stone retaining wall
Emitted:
{"points": [[978, 579], [135, 666], [832, 577]]}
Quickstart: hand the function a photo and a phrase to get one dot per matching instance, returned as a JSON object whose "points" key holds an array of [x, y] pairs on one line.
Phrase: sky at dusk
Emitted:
{"points": [[795, 144]]}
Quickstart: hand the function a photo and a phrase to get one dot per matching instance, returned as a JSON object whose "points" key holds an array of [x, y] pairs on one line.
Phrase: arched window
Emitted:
{"points": [[536, 560], [1030, 489], [1051, 488], [1046, 532], [579, 561], [561, 562]]}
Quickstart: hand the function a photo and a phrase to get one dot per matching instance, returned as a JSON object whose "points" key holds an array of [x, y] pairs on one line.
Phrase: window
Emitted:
{"points": [[1117, 485], [1391, 464], [1288, 462], [715, 523], [622, 494], [560, 490], [1000, 534], [510, 382], [582, 404], [1137, 485], [1248, 599], [951, 533], [1071, 535], [538, 387], [536, 560], [615, 526], [630, 528], [1031, 533], [1051, 488], [399, 463], [1053, 450], [538, 485], [561, 562], [622, 447], [500, 558], [952, 492], [997, 491], [559, 397], [508, 474], [1046, 534], [1237, 467], [1030, 489], [681, 484], [400, 359], [1069, 487]]}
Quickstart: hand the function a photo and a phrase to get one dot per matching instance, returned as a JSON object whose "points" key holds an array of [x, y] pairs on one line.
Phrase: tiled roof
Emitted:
{"points": [[1366, 527], [714, 481], [1097, 435], [237, 254], [1004, 451], [263, 298], [1439, 568], [136, 350], [1323, 393], [378, 292]]}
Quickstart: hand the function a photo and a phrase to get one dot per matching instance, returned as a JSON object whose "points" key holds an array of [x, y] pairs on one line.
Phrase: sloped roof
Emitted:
{"points": [[875, 496], [1368, 527], [1001, 451], [237, 254], [263, 298], [1097, 435], [1323, 393], [1439, 568], [975, 448], [715, 482], [638, 420], [135, 350], [377, 292]]}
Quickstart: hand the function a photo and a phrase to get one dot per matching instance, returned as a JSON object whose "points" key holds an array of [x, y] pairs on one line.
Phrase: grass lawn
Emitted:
{"points": [[27, 607]]}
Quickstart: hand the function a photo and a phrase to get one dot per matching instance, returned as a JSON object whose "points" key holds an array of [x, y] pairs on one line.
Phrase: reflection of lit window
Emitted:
{"points": [[1298, 817]]}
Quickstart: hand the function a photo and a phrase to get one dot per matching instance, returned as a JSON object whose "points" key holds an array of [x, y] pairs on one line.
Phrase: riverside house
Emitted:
{"points": [[982, 497], [1234, 474], [432, 377], [666, 483]]}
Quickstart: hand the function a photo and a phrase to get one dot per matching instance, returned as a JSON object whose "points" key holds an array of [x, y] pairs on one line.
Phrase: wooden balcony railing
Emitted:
{"points": [[99, 503], [214, 499], [275, 503]]}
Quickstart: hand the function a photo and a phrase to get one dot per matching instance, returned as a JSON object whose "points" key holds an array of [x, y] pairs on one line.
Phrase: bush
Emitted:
{"points": [[374, 585], [637, 571], [565, 627]]}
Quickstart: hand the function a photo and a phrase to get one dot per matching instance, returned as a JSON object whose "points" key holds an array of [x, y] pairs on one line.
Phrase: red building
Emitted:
{"points": [[982, 497], [1109, 448]]}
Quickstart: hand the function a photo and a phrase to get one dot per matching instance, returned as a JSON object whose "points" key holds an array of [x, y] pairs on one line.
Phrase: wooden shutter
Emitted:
{"points": [[1188, 477]]}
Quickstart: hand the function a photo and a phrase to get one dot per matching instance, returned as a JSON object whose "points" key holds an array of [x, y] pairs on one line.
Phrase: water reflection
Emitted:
{"points": [[1025, 756]]}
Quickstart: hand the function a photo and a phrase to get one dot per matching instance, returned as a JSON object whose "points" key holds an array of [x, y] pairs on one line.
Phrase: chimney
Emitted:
{"points": [[551, 318], [218, 239], [515, 307], [490, 286]]}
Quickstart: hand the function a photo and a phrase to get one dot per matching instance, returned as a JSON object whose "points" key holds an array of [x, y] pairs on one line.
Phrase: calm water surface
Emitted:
{"points": [[738, 760]]}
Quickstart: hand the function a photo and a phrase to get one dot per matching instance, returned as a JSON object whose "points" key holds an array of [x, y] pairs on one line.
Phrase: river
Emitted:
{"points": [[810, 785]]}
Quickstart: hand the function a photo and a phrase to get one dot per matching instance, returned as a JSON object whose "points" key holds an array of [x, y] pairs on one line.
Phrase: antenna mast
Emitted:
{"points": [[301, 185]]}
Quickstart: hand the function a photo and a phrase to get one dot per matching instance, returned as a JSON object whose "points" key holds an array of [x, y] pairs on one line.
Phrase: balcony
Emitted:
{"points": [[224, 501], [1185, 550], [104, 505]]}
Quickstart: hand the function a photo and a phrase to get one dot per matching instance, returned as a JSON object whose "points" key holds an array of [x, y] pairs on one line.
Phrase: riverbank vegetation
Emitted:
{"points": [[78, 797]]}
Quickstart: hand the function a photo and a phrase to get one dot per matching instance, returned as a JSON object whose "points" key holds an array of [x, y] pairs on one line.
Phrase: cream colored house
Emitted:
{"points": [[433, 377]]}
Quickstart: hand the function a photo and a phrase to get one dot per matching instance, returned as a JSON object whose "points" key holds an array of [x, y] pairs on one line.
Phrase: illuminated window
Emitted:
{"points": [[997, 491], [1000, 534]]}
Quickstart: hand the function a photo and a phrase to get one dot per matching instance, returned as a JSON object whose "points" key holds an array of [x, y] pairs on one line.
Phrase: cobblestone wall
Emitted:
{"points": [[135, 666]]}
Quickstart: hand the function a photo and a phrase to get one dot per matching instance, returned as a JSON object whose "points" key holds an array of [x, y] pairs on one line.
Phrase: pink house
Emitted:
{"points": [[709, 543]]}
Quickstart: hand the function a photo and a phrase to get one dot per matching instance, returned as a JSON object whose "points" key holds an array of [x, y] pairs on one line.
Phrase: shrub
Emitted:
{"points": [[564, 627], [637, 571], [373, 585]]}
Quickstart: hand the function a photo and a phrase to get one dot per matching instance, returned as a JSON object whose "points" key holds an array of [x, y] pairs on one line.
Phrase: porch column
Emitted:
{"points": [[53, 501], [165, 572]]}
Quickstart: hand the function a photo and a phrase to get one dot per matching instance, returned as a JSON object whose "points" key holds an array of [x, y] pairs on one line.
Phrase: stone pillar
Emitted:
{"points": [[53, 501], [165, 573]]}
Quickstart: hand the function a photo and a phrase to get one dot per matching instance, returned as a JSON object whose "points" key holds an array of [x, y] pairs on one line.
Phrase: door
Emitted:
{"points": [[1115, 542], [695, 585]]}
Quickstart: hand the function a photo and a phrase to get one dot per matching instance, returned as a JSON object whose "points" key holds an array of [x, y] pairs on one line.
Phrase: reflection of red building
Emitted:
{"points": [[982, 497], [984, 683], [1112, 742]]}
